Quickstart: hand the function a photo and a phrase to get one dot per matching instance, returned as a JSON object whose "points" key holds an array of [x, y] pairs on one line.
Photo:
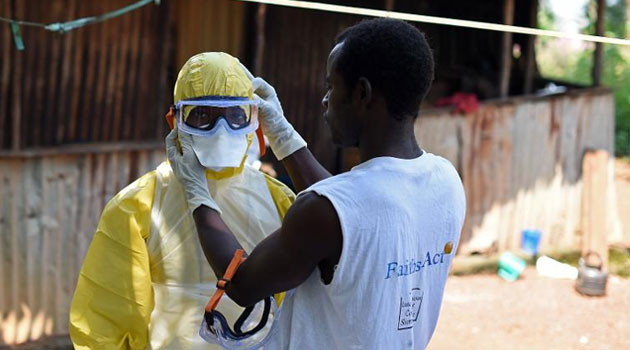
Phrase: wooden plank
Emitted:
{"points": [[111, 168], [66, 177], [141, 162], [67, 61], [30, 242], [594, 203], [86, 202], [72, 225], [59, 256], [13, 233], [37, 82], [5, 69], [221, 39], [130, 98], [261, 16], [47, 246], [125, 170], [95, 35], [16, 110], [49, 115], [236, 28], [144, 75], [100, 174], [531, 40], [4, 283], [506, 50], [77, 74], [121, 77], [598, 55], [184, 43], [112, 75], [36, 48], [163, 96], [98, 115]]}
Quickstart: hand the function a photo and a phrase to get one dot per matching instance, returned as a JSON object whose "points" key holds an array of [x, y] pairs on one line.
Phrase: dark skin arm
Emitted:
{"points": [[310, 237]]}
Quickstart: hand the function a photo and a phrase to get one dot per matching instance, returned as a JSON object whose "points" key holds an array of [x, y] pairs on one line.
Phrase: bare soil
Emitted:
{"points": [[486, 312]]}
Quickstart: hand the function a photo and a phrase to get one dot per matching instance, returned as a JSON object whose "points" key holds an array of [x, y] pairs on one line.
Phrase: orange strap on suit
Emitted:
{"points": [[236, 261]]}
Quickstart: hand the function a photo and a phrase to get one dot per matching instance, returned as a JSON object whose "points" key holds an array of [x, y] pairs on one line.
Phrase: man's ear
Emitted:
{"points": [[363, 89]]}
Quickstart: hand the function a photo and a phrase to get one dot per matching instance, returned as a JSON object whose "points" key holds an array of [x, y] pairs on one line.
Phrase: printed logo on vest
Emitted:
{"points": [[410, 309], [411, 266]]}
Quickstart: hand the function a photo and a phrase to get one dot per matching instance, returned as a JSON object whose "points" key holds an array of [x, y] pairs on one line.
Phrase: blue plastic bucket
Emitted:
{"points": [[530, 241]]}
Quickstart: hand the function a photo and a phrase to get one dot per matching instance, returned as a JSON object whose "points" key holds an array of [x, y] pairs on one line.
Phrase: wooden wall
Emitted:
{"points": [[105, 82], [294, 62], [49, 207], [217, 25], [521, 165]]}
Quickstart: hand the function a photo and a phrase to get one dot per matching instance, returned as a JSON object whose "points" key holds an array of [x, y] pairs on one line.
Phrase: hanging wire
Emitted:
{"points": [[63, 27]]}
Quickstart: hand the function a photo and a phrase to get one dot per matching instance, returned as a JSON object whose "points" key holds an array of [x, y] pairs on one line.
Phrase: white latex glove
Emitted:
{"points": [[283, 139], [190, 173]]}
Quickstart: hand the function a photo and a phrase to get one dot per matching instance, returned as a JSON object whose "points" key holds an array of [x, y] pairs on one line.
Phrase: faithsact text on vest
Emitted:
{"points": [[411, 266]]}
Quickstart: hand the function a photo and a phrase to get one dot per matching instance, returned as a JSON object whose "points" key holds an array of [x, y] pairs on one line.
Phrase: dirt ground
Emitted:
{"points": [[485, 312]]}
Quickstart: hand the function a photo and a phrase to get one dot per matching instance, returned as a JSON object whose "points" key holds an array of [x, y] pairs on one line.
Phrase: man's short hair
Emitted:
{"points": [[394, 56]]}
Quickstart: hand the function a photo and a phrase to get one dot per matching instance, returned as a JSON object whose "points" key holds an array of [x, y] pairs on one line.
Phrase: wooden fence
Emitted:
{"points": [[49, 207], [99, 83], [521, 164]]}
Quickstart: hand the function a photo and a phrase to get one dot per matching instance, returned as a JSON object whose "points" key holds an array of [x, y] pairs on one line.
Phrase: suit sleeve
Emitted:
{"points": [[113, 300], [282, 196]]}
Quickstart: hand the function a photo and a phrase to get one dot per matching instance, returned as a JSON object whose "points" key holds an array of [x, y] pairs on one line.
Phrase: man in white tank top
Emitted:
{"points": [[365, 253]]}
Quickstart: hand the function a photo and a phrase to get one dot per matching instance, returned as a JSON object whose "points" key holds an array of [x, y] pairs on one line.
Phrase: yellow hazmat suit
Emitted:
{"points": [[145, 281]]}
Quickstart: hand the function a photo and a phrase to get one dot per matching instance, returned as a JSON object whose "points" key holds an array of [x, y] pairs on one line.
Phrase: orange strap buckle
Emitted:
{"points": [[222, 283]]}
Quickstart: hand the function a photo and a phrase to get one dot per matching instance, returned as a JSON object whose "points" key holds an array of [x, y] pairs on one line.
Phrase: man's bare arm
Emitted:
{"points": [[310, 234]]}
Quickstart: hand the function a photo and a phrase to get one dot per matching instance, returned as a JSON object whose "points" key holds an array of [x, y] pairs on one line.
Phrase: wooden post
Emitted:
{"points": [[261, 15], [506, 50], [389, 5], [598, 55], [594, 203], [531, 41]]}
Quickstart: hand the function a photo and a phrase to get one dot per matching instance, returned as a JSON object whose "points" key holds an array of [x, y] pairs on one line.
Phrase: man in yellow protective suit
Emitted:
{"points": [[145, 281]]}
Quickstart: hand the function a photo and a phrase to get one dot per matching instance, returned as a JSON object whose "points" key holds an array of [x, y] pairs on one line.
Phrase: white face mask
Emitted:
{"points": [[221, 150]]}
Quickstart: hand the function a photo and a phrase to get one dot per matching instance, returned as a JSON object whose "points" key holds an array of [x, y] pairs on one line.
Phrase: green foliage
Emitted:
{"points": [[576, 67], [619, 262]]}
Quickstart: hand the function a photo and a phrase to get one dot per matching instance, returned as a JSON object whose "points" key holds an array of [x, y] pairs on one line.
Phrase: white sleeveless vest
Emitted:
{"points": [[401, 221]]}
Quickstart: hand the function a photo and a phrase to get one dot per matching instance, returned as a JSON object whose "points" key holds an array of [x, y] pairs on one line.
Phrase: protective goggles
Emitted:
{"points": [[204, 116], [251, 330]]}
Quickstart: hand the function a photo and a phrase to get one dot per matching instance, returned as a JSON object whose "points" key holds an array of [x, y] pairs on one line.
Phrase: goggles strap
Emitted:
{"points": [[263, 321], [238, 333], [261, 140], [170, 117], [223, 282]]}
